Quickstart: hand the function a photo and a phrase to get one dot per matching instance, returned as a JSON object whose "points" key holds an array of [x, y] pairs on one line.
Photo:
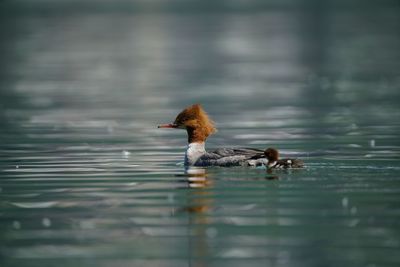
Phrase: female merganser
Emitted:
{"points": [[275, 163], [199, 126]]}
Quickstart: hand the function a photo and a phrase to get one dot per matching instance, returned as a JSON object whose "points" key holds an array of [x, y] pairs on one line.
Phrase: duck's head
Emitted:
{"points": [[196, 121], [271, 154]]}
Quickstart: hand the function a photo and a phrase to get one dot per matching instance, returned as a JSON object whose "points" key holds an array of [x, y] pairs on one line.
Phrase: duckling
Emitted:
{"points": [[274, 162]]}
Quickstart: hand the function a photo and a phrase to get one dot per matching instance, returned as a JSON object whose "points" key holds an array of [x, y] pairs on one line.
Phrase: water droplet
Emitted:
{"points": [[372, 143], [46, 222], [125, 153], [345, 202], [354, 222], [353, 210], [16, 225]]}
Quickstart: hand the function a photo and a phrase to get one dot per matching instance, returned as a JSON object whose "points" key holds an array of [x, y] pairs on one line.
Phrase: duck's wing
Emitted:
{"points": [[230, 157], [247, 153]]}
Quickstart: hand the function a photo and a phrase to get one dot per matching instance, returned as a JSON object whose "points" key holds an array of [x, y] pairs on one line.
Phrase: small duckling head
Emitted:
{"points": [[271, 154]]}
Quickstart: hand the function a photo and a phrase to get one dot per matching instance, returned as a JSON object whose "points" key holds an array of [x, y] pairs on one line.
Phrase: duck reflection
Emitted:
{"points": [[198, 206], [199, 202], [271, 175], [274, 174]]}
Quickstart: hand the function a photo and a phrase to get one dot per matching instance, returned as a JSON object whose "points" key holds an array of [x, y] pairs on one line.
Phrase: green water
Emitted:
{"points": [[86, 178]]}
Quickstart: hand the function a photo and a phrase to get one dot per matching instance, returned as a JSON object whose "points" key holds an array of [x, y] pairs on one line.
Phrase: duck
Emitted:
{"points": [[199, 126]]}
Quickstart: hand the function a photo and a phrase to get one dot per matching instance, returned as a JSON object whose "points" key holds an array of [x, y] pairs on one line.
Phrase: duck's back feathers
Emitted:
{"points": [[230, 157], [247, 152]]}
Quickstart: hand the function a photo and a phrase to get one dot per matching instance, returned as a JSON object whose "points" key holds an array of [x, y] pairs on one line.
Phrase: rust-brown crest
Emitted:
{"points": [[197, 123]]}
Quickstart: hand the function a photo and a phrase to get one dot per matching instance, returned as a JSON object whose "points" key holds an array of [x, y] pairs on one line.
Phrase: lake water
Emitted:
{"points": [[86, 178]]}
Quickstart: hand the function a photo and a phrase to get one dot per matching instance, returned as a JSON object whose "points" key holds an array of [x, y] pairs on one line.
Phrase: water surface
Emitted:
{"points": [[87, 179]]}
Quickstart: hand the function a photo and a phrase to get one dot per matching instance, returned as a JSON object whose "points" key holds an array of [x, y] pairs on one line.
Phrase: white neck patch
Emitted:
{"points": [[193, 152]]}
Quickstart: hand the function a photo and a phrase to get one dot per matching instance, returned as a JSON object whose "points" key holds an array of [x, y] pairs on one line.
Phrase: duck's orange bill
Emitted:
{"points": [[169, 125]]}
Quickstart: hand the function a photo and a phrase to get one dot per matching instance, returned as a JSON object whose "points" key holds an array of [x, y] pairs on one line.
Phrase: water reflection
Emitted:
{"points": [[202, 223], [271, 175], [199, 204]]}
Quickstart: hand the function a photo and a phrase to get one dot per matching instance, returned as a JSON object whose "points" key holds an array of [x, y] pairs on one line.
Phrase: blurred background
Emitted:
{"points": [[250, 63], [85, 174]]}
